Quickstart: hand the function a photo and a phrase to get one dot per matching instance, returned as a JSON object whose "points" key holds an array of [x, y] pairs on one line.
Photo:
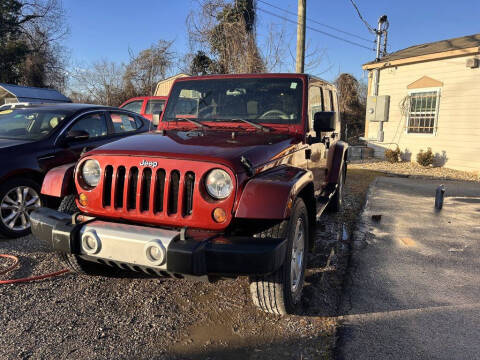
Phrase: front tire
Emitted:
{"points": [[280, 293], [18, 198], [73, 262]]}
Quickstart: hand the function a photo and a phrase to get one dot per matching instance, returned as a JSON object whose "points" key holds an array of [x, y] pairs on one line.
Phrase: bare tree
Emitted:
{"points": [[79, 97], [102, 83], [227, 31], [110, 83], [43, 27], [273, 48], [363, 92], [223, 39], [351, 106], [150, 66]]}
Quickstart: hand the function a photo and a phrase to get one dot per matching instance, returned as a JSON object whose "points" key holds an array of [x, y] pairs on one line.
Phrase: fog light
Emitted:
{"points": [[90, 242], [82, 199], [155, 252], [219, 215]]}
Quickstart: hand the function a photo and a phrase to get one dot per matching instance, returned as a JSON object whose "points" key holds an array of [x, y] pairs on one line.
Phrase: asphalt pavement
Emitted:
{"points": [[413, 290]]}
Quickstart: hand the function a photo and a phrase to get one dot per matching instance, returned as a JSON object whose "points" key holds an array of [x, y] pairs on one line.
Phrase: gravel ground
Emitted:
{"points": [[412, 169], [136, 317]]}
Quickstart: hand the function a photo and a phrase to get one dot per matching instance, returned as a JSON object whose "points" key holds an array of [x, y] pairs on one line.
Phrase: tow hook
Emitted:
{"points": [[183, 232]]}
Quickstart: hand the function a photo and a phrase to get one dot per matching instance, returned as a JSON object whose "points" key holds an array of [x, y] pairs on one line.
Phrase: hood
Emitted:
{"points": [[204, 145]]}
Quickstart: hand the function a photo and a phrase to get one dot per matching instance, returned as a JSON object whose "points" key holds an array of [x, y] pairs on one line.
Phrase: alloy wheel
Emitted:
{"points": [[298, 250], [16, 207]]}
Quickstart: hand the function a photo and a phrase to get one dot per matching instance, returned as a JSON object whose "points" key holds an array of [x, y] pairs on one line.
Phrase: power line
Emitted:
{"points": [[317, 30], [370, 28], [316, 22]]}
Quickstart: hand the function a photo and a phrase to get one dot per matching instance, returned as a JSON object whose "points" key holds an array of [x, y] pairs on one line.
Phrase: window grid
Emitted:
{"points": [[422, 112]]}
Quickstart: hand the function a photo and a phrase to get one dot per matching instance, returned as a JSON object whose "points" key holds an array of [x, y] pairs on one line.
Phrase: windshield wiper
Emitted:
{"points": [[196, 122], [254, 124]]}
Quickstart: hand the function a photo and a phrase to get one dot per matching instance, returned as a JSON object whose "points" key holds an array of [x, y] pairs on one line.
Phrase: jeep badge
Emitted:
{"points": [[152, 164]]}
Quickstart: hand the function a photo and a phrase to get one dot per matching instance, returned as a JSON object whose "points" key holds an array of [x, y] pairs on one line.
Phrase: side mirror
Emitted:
{"points": [[77, 135], [156, 118], [324, 121]]}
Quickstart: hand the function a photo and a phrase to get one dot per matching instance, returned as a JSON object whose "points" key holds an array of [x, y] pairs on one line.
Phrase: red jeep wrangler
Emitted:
{"points": [[230, 184]]}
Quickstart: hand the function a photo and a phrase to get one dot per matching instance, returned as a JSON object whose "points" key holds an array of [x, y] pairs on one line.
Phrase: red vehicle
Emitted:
{"points": [[231, 184], [145, 105]]}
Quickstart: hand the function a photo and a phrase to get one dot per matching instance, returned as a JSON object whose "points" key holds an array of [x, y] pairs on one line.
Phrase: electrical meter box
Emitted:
{"points": [[378, 108]]}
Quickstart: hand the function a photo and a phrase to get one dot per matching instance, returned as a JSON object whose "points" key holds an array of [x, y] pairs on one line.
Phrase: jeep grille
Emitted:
{"points": [[171, 193], [121, 188]]}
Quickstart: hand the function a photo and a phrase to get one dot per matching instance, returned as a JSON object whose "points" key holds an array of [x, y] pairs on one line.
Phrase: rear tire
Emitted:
{"points": [[73, 262], [280, 292]]}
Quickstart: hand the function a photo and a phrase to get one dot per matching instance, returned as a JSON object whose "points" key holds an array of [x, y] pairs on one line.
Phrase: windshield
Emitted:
{"points": [[29, 124], [261, 100]]}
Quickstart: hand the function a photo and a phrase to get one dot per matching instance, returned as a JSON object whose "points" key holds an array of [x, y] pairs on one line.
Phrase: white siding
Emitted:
{"points": [[163, 87], [458, 131]]}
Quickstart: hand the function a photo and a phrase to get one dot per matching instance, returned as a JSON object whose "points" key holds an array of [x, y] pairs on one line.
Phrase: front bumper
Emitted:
{"points": [[125, 246]]}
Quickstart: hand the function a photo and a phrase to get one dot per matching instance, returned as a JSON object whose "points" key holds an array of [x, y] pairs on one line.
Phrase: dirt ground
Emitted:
{"points": [[414, 170], [75, 317]]}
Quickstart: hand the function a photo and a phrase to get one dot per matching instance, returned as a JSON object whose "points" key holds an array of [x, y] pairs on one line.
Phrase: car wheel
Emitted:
{"points": [[73, 262], [18, 198], [281, 292]]}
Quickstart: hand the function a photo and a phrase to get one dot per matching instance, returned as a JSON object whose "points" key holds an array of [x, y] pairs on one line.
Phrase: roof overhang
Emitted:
{"points": [[422, 58], [4, 93], [31, 94]]}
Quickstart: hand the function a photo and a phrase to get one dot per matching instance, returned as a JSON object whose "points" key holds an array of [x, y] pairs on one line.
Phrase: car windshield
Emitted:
{"points": [[260, 100], [29, 124]]}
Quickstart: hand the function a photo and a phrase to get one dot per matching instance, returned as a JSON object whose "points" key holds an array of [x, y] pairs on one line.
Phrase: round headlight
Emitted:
{"points": [[91, 172], [219, 184]]}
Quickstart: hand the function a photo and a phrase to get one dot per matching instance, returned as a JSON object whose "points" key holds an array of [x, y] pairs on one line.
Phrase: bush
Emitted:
{"points": [[393, 156], [425, 158]]}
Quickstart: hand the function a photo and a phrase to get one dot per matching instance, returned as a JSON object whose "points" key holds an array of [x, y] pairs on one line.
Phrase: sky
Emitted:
{"points": [[107, 29]]}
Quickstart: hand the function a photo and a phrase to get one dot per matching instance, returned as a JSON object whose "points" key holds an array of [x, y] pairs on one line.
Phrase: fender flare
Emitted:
{"points": [[59, 181], [337, 156], [270, 195]]}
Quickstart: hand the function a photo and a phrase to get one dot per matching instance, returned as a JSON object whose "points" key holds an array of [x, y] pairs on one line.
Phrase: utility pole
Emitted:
{"points": [[301, 36], [376, 73], [378, 40]]}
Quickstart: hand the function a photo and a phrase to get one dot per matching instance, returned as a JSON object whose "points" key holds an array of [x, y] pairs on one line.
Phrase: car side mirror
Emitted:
{"points": [[77, 135], [156, 118], [324, 121]]}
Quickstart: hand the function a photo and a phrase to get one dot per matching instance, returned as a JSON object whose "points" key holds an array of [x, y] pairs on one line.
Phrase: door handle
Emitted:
{"points": [[46, 157]]}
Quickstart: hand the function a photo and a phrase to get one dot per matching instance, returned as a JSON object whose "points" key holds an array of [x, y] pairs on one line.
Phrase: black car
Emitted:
{"points": [[36, 138]]}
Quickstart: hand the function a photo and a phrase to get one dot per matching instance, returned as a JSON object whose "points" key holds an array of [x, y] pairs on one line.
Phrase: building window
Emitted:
{"points": [[423, 111]]}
